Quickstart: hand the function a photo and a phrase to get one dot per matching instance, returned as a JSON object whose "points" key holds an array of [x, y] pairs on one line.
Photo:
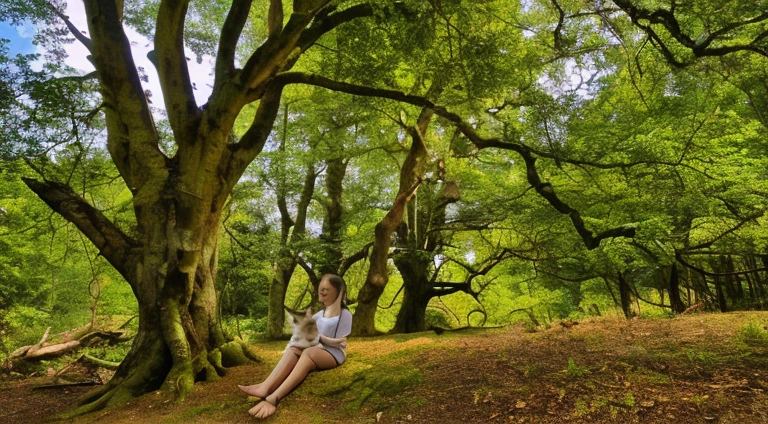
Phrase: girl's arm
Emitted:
{"points": [[333, 342], [344, 328]]}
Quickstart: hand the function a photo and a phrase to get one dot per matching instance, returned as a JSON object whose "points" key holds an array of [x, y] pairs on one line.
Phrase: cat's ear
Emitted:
{"points": [[308, 313], [295, 319]]}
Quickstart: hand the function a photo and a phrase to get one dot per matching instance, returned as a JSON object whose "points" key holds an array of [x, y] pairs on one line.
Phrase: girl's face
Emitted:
{"points": [[326, 292]]}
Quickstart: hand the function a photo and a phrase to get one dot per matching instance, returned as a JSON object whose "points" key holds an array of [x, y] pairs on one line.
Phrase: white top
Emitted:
{"points": [[335, 328]]}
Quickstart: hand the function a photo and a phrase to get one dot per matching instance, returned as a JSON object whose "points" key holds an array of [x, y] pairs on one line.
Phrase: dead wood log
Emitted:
{"points": [[30, 350], [43, 351]]}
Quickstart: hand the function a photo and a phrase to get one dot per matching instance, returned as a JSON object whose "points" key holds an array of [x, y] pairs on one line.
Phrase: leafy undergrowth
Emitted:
{"points": [[699, 368]]}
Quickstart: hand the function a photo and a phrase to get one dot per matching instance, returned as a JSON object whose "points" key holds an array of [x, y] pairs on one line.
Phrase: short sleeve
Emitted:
{"points": [[345, 324]]}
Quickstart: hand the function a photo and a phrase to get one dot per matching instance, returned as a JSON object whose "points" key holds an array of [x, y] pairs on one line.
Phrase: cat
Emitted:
{"points": [[305, 332]]}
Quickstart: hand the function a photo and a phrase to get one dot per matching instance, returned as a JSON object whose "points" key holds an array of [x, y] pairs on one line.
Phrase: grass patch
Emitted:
{"points": [[574, 370], [371, 379], [752, 334], [531, 370], [646, 376], [699, 357]]}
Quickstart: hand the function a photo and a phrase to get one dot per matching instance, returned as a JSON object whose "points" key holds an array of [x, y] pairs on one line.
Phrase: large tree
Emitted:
{"points": [[170, 258]]}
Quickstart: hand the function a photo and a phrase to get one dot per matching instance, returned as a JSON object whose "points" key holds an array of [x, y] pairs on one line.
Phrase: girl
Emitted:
{"points": [[334, 323]]}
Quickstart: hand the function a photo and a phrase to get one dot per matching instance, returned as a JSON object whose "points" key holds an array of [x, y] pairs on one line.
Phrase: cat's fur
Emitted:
{"points": [[305, 332]]}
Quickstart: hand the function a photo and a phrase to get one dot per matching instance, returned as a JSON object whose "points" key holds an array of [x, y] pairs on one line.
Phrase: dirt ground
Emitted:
{"points": [[692, 369]]}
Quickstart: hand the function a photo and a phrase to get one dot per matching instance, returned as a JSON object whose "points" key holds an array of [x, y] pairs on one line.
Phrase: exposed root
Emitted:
{"points": [[138, 374], [180, 380], [204, 370], [236, 353]]}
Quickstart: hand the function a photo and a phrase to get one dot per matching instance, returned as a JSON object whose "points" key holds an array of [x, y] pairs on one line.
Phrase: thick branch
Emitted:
{"points": [[172, 69], [275, 18], [699, 47], [304, 200], [132, 137], [114, 245], [250, 145], [328, 22], [230, 33], [353, 259]]}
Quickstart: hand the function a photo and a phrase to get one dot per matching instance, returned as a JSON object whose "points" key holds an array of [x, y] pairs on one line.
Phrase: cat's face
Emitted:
{"points": [[306, 325]]}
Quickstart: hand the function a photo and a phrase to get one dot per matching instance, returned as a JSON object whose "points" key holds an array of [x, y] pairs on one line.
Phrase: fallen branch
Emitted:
{"points": [[41, 350], [58, 386]]}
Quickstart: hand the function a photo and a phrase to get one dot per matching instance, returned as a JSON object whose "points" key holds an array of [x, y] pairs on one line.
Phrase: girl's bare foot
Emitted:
{"points": [[264, 408], [256, 390]]}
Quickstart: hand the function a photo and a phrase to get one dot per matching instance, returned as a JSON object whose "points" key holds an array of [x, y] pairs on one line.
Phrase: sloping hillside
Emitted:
{"points": [[699, 368]]}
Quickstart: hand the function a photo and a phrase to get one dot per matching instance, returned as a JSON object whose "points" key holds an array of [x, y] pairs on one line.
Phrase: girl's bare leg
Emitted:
{"points": [[313, 358], [277, 376]]}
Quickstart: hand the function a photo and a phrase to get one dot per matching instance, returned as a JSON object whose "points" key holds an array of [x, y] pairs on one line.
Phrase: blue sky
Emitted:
{"points": [[19, 43]]}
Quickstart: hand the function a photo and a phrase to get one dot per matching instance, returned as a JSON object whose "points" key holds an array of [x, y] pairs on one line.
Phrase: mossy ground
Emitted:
{"points": [[699, 368]]}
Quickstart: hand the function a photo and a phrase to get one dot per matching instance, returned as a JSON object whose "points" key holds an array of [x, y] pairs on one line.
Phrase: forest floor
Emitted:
{"points": [[703, 368]]}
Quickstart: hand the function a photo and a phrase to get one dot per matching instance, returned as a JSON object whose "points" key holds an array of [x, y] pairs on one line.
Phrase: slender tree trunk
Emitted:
{"points": [[333, 223], [285, 266], [721, 302], [674, 291], [626, 297]]}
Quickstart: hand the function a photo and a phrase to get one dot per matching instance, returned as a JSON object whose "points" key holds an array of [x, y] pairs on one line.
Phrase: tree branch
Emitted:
{"points": [[250, 145], [275, 18], [72, 28], [354, 258], [699, 47], [137, 157], [707, 244], [173, 72], [230, 34], [679, 257], [113, 244]]}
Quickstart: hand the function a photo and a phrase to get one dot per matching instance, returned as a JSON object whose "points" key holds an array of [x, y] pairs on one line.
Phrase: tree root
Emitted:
{"points": [[236, 353], [139, 373]]}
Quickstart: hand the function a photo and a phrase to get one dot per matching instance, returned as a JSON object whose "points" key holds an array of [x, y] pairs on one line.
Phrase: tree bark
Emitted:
{"points": [[413, 266], [626, 297], [333, 224], [674, 291]]}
